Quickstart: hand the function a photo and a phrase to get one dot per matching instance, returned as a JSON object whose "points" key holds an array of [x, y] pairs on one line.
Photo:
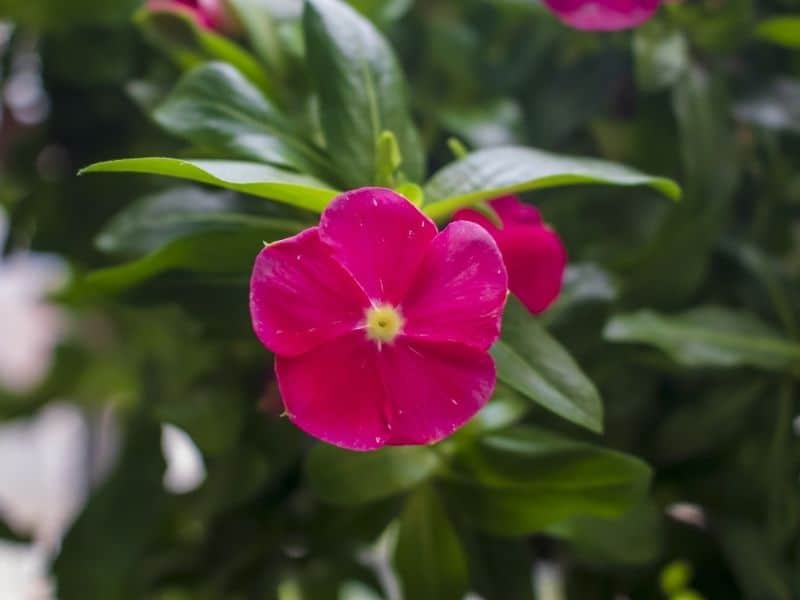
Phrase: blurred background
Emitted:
{"points": [[142, 452]]}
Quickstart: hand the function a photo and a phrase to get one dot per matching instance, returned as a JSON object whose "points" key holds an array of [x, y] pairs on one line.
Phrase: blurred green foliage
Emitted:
{"points": [[676, 334]]}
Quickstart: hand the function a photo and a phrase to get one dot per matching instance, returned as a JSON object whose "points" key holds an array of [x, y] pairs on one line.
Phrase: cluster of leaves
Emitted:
{"points": [[681, 315]]}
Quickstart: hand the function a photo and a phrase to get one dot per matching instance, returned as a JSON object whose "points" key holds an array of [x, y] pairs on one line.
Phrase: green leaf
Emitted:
{"points": [[633, 538], [709, 336], [262, 33], [361, 91], [529, 360], [227, 252], [429, 558], [215, 107], [525, 479], [783, 31], [302, 191], [101, 555], [156, 220], [486, 174], [344, 477], [189, 44]]}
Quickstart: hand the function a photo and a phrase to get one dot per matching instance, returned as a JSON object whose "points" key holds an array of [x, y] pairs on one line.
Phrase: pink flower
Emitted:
{"points": [[533, 253], [603, 15], [208, 13], [379, 323]]}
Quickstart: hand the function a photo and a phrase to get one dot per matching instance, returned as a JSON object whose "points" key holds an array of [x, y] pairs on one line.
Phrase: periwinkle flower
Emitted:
{"points": [[603, 15], [533, 253], [208, 13], [380, 324]]}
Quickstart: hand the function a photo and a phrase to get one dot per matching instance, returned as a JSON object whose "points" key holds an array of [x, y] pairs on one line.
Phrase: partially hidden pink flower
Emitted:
{"points": [[603, 15], [379, 323], [533, 253], [208, 13]]}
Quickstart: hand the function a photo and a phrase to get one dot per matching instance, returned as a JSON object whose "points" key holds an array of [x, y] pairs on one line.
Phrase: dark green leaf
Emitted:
{"points": [[190, 44], [709, 336], [344, 477], [429, 559], [361, 91], [529, 360], [215, 107], [492, 172], [523, 480], [178, 212], [100, 557], [630, 539], [249, 178]]}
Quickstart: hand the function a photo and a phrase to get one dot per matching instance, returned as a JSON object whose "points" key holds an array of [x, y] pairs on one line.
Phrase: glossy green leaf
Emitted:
{"points": [[709, 336], [429, 559], [344, 477], [156, 220], [190, 44], [522, 480], [262, 32], [530, 361], [255, 179], [504, 409], [361, 92], [216, 108], [783, 31], [492, 172]]}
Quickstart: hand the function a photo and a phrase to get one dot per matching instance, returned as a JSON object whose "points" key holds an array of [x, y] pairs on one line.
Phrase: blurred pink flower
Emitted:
{"points": [[533, 253], [379, 323], [208, 13], [603, 15]]}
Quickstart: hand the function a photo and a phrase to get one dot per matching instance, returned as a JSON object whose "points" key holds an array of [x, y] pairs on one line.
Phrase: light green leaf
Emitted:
{"points": [[262, 33], [255, 179], [215, 107], [529, 360], [429, 558], [344, 477], [486, 174], [709, 336], [522, 480], [361, 91], [783, 31]]}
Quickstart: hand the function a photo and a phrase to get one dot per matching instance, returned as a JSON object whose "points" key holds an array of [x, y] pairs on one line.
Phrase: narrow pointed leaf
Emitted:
{"points": [[255, 179], [709, 336], [529, 360], [492, 172]]}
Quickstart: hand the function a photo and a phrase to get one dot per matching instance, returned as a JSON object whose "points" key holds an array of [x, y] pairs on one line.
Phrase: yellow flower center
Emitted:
{"points": [[383, 323]]}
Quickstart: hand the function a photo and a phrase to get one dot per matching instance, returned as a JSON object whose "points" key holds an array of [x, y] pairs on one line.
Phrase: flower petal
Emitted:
{"points": [[460, 289], [535, 258], [335, 393], [300, 297], [432, 388], [511, 209], [603, 15], [380, 237]]}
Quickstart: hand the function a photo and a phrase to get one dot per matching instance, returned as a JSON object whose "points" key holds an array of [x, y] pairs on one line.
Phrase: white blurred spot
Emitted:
{"points": [[30, 327], [796, 425], [548, 581], [23, 573], [186, 470], [688, 513], [44, 475]]}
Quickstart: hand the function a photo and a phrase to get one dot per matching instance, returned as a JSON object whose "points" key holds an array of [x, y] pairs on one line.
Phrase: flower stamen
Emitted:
{"points": [[383, 323]]}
